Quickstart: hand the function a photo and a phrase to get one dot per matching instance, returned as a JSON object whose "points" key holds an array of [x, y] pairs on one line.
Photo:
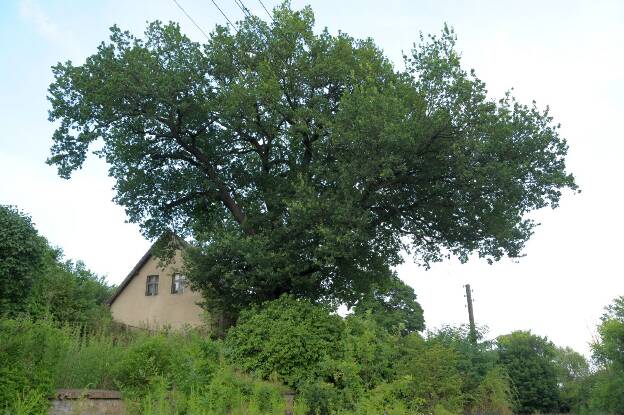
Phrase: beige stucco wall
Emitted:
{"points": [[134, 308]]}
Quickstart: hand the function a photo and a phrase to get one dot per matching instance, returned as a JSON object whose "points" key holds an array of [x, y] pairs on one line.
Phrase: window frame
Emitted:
{"points": [[182, 279], [153, 283]]}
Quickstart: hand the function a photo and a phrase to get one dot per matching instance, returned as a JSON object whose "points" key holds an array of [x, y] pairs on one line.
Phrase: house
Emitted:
{"points": [[156, 295]]}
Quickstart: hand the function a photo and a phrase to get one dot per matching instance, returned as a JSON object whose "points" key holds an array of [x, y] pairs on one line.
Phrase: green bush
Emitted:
{"points": [[29, 352], [429, 374], [69, 293], [22, 250], [394, 398], [321, 398], [530, 362], [145, 360], [495, 394], [286, 339], [90, 360], [372, 347]]}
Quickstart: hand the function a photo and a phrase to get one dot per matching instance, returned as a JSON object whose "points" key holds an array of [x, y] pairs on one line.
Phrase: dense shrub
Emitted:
{"points": [[21, 260], [36, 281], [286, 339], [349, 366], [90, 360], [529, 361], [429, 374], [486, 386], [494, 395], [69, 293], [29, 352], [372, 347], [165, 373]]}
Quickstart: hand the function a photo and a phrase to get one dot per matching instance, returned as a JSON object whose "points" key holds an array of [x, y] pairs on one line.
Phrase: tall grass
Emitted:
{"points": [[158, 373], [90, 361]]}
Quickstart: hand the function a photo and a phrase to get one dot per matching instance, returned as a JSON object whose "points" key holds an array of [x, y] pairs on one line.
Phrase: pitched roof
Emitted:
{"points": [[142, 261]]}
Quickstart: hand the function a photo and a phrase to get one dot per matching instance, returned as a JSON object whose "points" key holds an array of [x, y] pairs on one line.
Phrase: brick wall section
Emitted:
{"points": [[86, 402], [105, 402]]}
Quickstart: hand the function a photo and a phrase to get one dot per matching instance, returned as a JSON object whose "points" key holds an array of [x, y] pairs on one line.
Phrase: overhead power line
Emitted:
{"points": [[224, 15], [244, 8], [266, 10], [191, 19]]}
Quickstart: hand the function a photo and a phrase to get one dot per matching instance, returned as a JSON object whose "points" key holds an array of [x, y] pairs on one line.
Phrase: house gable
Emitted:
{"points": [[131, 304]]}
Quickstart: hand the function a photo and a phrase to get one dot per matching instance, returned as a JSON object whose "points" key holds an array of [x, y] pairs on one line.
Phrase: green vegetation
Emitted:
{"points": [[530, 363], [36, 281], [359, 368], [302, 162], [59, 335], [609, 355], [22, 252], [348, 366], [167, 373]]}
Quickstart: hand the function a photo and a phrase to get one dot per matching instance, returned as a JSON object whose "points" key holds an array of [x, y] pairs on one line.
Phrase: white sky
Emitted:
{"points": [[567, 54]]}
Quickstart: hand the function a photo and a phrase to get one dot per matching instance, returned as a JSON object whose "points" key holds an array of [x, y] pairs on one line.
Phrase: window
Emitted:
{"points": [[178, 281], [152, 285]]}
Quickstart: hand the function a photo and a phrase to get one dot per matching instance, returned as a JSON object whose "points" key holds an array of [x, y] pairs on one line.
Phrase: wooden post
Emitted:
{"points": [[473, 330]]}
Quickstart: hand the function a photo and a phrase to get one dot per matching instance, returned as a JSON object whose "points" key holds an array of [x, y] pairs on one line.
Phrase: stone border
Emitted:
{"points": [[64, 394]]}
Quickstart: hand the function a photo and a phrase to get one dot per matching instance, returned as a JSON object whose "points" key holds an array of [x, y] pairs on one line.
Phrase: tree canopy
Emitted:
{"points": [[305, 162], [393, 307]]}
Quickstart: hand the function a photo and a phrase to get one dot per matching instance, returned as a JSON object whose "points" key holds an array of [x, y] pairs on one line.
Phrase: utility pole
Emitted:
{"points": [[473, 331]]}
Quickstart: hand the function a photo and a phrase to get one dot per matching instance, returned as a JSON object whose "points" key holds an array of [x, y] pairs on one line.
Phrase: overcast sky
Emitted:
{"points": [[566, 54]]}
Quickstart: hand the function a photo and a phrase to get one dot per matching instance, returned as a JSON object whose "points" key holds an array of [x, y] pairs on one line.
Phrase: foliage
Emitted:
{"points": [[442, 385], [287, 339], [573, 377], [164, 373], [483, 382], [36, 281], [529, 361], [22, 251], [608, 353], [28, 355], [372, 348], [28, 402], [68, 292], [606, 392], [610, 349], [494, 394], [394, 307], [89, 360], [362, 370], [304, 162]]}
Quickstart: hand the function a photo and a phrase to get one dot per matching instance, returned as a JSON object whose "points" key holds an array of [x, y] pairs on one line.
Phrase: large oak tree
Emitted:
{"points": [[303, 162]]}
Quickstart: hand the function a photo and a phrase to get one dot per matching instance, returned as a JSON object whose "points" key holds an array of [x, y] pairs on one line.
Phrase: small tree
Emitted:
{"points": [[573, 377], [476, 361], [609, 356], [529, 361], [429, 376], [22, 252]]}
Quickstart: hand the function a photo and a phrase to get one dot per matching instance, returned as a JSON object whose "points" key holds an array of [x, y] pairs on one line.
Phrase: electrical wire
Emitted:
{"points": [[266, 10], [242, 6], [224, 15], [191, 19]]}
